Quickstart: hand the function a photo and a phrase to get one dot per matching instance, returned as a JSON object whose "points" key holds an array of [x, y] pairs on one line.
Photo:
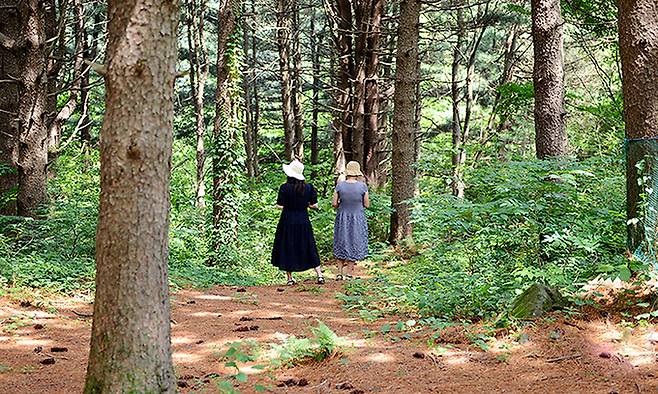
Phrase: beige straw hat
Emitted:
{"points": [[353, 168], [294, 170]]}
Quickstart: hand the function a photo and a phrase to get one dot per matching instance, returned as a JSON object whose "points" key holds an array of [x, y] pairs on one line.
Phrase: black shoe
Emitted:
{"points": [[291, 282], [320, 280]]}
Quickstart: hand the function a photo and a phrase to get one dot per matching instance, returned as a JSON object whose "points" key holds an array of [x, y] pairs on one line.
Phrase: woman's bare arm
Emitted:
{"points": [[366, 200], [334, 200]]}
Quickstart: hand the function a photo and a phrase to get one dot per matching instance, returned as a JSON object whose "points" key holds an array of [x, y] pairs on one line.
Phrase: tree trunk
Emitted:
{"points": [[457, 184], [375, 140], [298, 147], [315, 59], [342, 124], [254, 84], [248, 134], [638, 44], [287, 108], [91, 52], [10, 69], [131, 340], [548, 77], [65, 113], [198, 58], [361, 18], [224, 161], [404, 120], [32, 110]]}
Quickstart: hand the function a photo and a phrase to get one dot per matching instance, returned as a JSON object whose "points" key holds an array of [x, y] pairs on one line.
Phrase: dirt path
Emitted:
{"points": [[551, 357]]}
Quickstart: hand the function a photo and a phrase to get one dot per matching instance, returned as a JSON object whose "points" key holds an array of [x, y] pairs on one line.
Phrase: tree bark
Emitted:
{"points": [[342, 124], [198, 58], [285, 79], [65, 113], [315, 59], [254, 87], [298, 145], [247, 81], [374, 139], [10, 70], [404, 120], [224, 137], [131, 340], [638, 44], [32, 110], [91, 52], [457, 184], [548, 77]]}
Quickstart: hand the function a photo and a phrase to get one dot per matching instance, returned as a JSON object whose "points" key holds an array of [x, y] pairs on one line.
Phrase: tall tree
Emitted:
{"points": [[404, 120], [341, 12], [315, 38], [548, 77], [198, 58], [374, 138], [32, 107], [224, 158], [131, 340], [250, 90], [284, 31], [638, 42], [10, 34]]}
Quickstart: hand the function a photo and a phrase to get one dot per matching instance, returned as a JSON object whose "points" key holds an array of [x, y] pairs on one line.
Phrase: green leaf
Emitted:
{"points": [[624, 274], [241, 377]]}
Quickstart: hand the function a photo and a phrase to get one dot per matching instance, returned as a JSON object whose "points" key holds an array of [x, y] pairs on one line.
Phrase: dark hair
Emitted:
{"points": [[299, 185]]}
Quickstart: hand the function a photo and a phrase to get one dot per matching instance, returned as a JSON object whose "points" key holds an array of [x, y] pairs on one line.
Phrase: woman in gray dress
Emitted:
{"points": [[351, 227]]}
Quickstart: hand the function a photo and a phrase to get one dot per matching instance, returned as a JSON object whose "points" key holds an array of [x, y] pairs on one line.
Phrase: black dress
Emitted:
{"points": [[294, 245]]}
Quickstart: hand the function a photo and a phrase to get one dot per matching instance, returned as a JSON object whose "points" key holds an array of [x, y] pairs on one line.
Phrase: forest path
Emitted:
{"points": [[556, 357]]}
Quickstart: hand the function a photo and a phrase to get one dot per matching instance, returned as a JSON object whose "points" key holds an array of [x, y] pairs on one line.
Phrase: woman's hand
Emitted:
{"points": [[366, 200], [314, 206], [277, 206]]}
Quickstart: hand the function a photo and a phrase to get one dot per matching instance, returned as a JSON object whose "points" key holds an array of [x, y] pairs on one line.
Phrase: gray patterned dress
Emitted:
{"points": [[351, 227]]}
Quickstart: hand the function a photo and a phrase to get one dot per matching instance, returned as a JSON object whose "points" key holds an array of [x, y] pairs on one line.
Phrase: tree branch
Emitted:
{"points": [[7, 42]]}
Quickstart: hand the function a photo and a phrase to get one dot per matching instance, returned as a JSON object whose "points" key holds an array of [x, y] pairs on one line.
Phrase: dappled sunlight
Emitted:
{"points": [[379, 358], [186, 358], [213, 297]]}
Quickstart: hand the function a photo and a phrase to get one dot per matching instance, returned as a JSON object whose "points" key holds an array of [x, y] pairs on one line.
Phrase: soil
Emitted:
{"points": [[44, 349]]}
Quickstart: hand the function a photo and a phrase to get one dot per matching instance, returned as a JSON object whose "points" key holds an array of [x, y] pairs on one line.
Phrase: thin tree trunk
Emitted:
{"points": [[548, 76], [256, 98], [404, 120], [131, 339], [10, 70], [64, 114], [298, 147], [457, 184], [91, 51], [285, 79], [32, 110], [315, 59], [638, 43], [198, 58], [248, 134]]}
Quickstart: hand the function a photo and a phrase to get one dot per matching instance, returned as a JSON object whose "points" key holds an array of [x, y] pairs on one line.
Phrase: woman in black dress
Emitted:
{"points": [[294, 245]]}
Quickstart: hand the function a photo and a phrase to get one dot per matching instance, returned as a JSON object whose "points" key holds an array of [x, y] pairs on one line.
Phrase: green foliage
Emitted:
{"points": [[559, 223], [323, 344]]}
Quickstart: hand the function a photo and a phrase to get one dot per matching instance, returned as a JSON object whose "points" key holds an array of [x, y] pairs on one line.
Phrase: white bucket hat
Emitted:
{"points": [[294, 170], [353, 168]]}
